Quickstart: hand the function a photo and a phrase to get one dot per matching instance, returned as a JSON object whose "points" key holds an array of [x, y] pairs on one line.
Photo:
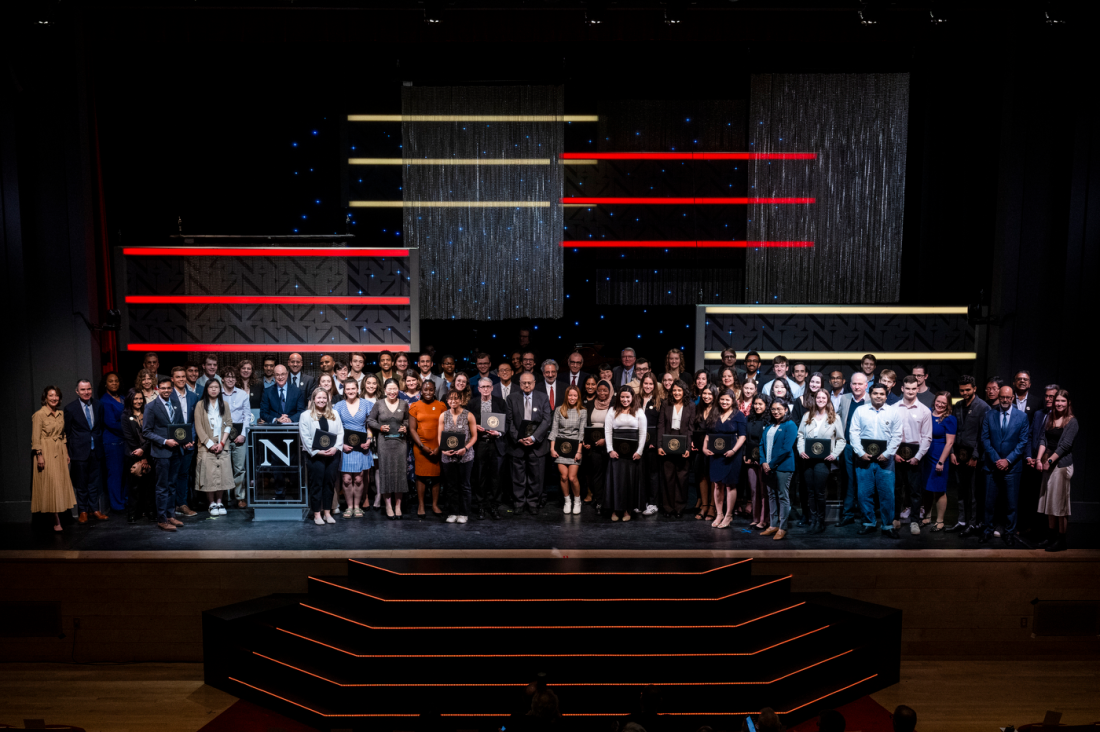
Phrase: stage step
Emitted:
{"points": [[466, 637]]}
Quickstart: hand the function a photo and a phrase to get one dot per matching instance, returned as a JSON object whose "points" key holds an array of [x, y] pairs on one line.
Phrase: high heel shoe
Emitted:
{"points": [[726, 522], [389, 513]]}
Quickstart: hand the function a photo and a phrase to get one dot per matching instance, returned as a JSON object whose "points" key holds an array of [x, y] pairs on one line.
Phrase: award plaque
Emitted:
{"points": [[494, 421], [323, 440], [181, 433], [452, 441], [818, 449], [650, 436], [964, 453], [908, 450], [566, 448], [624, 441], [874, 448], [591, 434], [674, 444], [355, 439], [756, 453], [236, 430], [720, 443]]}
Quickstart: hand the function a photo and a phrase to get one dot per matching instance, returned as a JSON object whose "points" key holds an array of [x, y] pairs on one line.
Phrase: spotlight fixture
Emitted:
{"points": [[673, 16], [433, 12], [866, 15], [1052, 18], [593, 13], [937, 16]]}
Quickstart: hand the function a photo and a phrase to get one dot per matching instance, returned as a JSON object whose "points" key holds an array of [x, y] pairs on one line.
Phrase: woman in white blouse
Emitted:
{"points": [[625, 433], [323, 463], [213, 422], [820, 423]]}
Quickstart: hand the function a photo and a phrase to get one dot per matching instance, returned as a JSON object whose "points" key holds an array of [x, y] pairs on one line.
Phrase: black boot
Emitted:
{"points": [[1051, 540], [1058, 545]]}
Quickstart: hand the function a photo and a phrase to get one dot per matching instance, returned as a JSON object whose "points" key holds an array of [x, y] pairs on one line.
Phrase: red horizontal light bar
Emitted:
{"points": [[267, 347], [689, 156], [684, 201], [262, 252], [660, 244], [260, 300]]}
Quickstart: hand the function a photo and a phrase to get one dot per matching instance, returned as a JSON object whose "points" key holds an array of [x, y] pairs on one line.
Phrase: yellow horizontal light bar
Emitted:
{"points": [[473, 118], [835, 310], [448, 161], [449, 204], [579, 162], [829, 356]]}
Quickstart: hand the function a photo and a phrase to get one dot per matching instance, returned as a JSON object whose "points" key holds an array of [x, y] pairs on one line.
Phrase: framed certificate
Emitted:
{"points": [[908, 450], [355, 439], [874, 448], [674, 444], [494, 421], [566, 447], [527, 428], [323, 440], [591, 434], [236, 430], [452, 441], [818, 449], [393, 434], [181, 433], [720, 443], [963, 453]]}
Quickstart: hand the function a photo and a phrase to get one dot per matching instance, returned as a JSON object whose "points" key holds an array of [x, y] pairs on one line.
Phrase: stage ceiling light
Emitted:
{"points": [[593, 14], [867, 16], [673, 16]]}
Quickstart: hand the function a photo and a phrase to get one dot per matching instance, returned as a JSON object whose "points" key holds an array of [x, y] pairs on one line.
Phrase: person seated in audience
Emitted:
{"points": [[905, 719]]}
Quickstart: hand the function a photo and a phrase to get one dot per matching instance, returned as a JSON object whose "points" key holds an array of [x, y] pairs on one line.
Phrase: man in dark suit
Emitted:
{"points": [[1024, 398], [624, 374], [528, 453], [283, 402], [574, 376], [301, 381], [550, 384], [483, 362], [188, 399], [168, 453], [505, 385], [1005, 440], [488, 450], [84, 433]]}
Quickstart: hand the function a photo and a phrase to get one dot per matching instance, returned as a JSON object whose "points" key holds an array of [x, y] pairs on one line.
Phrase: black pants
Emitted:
{"points": [[322, 477], [528, 472], [907, 476], [1027, 514], [815, 483], [456, 487], [87, 477], [651, 478], [167, 470], [486, 475], [970, 490], [674, 489], [800, 489], [594, 472], [139, 490]]}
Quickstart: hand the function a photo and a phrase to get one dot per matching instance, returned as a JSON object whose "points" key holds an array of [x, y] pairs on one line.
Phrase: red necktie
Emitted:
{"points": [[551, 396]]}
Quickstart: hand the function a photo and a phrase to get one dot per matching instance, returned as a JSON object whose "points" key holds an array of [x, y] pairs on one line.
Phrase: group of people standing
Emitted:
{"points": [[630, 440]]}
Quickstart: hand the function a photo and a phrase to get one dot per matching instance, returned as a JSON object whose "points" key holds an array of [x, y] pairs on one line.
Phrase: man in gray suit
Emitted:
{"points": [[528, 453], [848, 405]]}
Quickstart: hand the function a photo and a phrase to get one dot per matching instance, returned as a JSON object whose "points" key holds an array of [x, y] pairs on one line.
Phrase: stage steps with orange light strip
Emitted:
{"points": [[465, 637]]}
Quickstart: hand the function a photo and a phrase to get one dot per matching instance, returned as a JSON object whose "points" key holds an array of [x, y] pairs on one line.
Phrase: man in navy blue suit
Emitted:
{"points": [[188, 399], [84, 432], [160, 412], [1005, 433], [283, 402]]}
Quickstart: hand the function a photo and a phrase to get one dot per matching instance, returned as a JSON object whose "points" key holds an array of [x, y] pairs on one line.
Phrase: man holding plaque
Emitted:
{"points": [[491, 416], [916, 439], [161, 421], [876, 434], [528, 425]]}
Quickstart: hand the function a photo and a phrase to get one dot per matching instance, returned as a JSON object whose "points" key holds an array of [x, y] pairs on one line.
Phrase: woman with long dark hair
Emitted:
{"points": [[677, 415], [138, 466], [777, 462], [625, 432], [1055, 459], [706, 403], [699, 382], [595, 446], [758, 419], [213, 423], [650, 397], [727, 381], [725, 464]]}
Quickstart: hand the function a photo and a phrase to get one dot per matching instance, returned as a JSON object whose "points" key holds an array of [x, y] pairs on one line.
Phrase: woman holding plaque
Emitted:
{"points": [[139, 465], [726, 430], [944, 428], [214, 468], [674, 433], [758, 419], [51, 486], [704, 405], [777, 462], [458, 435], [424, 433], [595, 446], [322, 436], [356, 457], [565, 447], [625, 432], [820, 445], [389, 420]]}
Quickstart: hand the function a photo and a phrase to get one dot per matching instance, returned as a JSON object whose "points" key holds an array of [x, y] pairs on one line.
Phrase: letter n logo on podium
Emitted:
{"points": [[284, 457]]}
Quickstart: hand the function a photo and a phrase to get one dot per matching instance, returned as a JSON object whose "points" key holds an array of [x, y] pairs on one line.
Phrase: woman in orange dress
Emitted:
{"points": [[424, 430], [51, 489]]}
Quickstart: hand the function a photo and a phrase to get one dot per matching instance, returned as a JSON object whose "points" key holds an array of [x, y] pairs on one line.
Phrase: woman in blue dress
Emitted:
{"points": [[114, 447], [936, 466], [725, 465], [353, 413]]}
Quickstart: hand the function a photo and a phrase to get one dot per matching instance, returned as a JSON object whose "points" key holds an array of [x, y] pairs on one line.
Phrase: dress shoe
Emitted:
{"points": [[82, 518], [481, 514], [845, 522], [174, 521], [820, 528], [956, 527], [166, 527], [1058, 545], [779, 535], [891, 533], [242, 504], [533, 510], [518, 510], [494, 515], [969, 531], [100, 516], [863, 530], [986, 537], [1047, 542], [185, 510], [1009, 539], [769, 531]]}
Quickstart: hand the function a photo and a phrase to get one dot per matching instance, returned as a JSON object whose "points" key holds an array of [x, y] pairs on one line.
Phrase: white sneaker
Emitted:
{"points": [[997, 534], [905, 514], [649, 510], [452, 518], [460, 520], [568, 505], [914, 528], [576, 506], [221, 510]]}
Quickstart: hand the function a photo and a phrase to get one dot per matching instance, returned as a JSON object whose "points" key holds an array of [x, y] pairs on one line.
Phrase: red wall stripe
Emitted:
{"points": [[260, 300], [688, 156], [261, 252], [658, 244], [268, 347], [684, 201]]}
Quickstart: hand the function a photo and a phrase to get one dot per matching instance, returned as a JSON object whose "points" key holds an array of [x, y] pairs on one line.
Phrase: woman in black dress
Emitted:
{"points": [[651, 396], [725, 465], [140, 480], [677, 414], [594, 464], [704, 405], [625, 430], [757, 421]]}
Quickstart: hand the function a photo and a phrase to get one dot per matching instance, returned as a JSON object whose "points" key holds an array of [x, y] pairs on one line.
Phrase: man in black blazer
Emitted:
{"points": [[283, 402], [84, 433], [624, 374], [550, 384], [573, 374], [505, 385], [300, 380], [528, 453], [168, 408], [488, 450]]}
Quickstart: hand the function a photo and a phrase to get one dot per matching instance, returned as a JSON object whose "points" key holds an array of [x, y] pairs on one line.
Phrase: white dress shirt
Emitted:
{"points": [[869, 423], [626, 421], [240, 409]]}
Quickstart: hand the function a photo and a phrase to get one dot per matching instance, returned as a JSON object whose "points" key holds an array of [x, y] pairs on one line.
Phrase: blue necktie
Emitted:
{"points": [[171, 412], [91, 424], [1004, 420], [282, 399]]}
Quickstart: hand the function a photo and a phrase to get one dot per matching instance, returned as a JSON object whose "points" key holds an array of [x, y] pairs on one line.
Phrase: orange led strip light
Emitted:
{"points": [[563, 599], [592, 683], [543, 627], [538, 574], [547, 655]]}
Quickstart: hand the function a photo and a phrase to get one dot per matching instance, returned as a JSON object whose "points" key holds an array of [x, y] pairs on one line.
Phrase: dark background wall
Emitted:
{"points": [[118, 121]]}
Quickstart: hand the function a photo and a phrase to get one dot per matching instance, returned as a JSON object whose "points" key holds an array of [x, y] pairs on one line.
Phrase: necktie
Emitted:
{"points": [[91, 423], [1004, 420], [573, 380], [171, 411], [527, 406], [282, 398], [551, 395]]}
